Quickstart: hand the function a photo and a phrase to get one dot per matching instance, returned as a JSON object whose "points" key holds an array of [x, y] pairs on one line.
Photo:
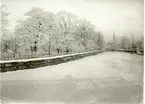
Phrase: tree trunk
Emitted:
{"points": [[58, 50], [49, 46], [67, 50]]}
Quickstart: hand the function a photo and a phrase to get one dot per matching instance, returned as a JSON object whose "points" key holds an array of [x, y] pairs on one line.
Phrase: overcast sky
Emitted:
{"points": [[123, 16]]}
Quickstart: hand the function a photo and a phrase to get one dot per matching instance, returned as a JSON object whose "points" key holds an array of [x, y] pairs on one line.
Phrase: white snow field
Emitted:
{"points": [[106, 78]]}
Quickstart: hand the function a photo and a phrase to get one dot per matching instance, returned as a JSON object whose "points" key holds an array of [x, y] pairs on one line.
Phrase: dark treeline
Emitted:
{"points": [[126, 42], [43, 33]]}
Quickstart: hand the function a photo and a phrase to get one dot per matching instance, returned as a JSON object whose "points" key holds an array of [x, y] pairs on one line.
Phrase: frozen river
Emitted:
{"points": [[110, 77]]}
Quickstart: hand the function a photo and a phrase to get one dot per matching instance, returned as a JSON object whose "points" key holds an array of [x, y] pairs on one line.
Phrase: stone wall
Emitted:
{"points": [[132, 51], [14, 65]]}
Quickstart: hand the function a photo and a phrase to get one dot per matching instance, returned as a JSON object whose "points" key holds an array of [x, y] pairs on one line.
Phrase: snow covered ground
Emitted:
{"points": [[109, 64], [108, 77]]}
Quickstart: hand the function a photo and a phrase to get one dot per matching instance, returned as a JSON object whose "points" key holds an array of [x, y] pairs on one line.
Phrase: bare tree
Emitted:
{"points": [[133, 42], [38, 24], [114, 40], [66, 23], [5, 40], [4, 19], [125, 43], [140, 43], [84, 27], [88, 35], [100, 40]]}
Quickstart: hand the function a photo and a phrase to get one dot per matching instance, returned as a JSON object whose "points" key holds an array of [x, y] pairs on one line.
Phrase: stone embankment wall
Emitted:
{"points": [[14, 65]]}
